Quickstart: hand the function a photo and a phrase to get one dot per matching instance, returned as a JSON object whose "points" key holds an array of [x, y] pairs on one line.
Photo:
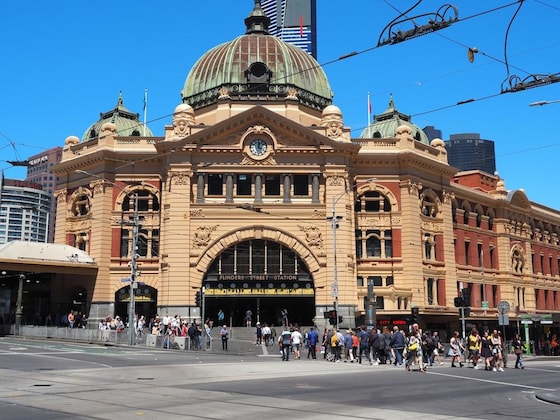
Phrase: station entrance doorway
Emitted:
{"points": [[263, 277]]}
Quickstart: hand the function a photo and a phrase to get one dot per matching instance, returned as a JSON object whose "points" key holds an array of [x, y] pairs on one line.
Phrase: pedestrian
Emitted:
{"points": [[224, 333], [348, 344], [355, 344], [364, 346], [297, 339], [486, 350], [437, 348], [266, 334], [221, 317], [248, 317], [496, 341], [259, 334], [284, 314], [336, 346], [375, 342], [285, 341], [312, 339], [397, 345], [412, 355], [473, 341], [71, 319], [455, 348], [517, 345], [387, 351]]}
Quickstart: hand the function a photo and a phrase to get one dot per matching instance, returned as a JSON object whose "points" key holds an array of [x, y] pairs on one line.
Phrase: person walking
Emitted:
{"points": [[474, 347], [497, 351], [364, 345], [437, 347], [248, 318], [455, 348], [285, 341], [312, 339], [348, 343], [486, 350], [517, 345], [297, 339], [224, 333], [397, 345]]}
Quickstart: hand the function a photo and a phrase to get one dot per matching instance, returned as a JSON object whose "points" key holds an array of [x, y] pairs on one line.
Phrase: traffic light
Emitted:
{"points": [[332, 317], [414, 311], [198, 299], [459, 302], [466, 295]]}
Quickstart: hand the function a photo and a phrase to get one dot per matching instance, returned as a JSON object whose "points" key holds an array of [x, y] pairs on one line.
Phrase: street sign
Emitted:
{"points": [[484, 304], [334, 290], [126, 279], [503, 319], [503, 307]]}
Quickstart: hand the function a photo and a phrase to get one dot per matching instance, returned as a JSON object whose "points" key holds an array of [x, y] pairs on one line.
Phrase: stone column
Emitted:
{"points": [[200, 188], [315, 189], [287, 188], [258, 188], [229, 188]]}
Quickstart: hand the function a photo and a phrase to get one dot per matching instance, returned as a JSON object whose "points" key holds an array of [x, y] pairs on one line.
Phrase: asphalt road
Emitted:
{"points": [[54, 380]]}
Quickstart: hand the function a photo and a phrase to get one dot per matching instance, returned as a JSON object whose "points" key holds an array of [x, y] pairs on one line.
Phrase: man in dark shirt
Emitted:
{"points": [[397, 344]]}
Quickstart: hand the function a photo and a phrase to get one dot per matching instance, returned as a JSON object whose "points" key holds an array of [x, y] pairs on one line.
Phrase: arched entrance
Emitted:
{"points": [[264, 277], [145, 301]]}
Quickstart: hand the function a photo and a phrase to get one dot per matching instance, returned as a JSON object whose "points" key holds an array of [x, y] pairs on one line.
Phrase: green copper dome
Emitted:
{"points": [[128, 123], [257, 66], [386, 124]]}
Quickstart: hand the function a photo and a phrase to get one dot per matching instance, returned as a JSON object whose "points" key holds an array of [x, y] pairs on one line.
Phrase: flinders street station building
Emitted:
{"points": [[258, 196]]}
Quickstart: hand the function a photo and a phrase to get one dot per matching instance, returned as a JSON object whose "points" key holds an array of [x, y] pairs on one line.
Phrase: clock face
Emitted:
{"points": [[258, 147]]}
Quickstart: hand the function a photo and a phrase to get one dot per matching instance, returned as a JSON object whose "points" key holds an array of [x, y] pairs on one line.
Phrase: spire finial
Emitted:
{"points": [[257, 21]]}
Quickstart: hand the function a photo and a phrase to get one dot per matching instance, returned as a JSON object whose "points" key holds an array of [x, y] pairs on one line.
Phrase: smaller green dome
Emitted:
{"points": [[126, 122], [386, 124]]}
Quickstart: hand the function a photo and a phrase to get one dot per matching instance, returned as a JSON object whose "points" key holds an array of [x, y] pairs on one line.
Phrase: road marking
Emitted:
{"points": [[543, 370], [492, 382]]}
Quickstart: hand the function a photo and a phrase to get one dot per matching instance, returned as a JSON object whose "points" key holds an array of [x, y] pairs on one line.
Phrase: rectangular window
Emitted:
{"points": [[359, 250], [467, 253], [288, 262], [389, 281], [301, 185], [492, 256], [215, 184], [379, 302], [360, 281], [550, 264], [388, 244], [480, 256], [430, 291], [244, 183], [272, 185], [377, 281]]}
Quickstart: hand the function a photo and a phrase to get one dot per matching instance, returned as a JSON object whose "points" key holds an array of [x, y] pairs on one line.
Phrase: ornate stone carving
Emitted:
{"points": [[414, 188], [312, 236], [292, 94], [264, 162], [180, 178], [183, 118], [319, 214], [447, 197], [202, 236], [335, 181], [195, 213], [224, 93], [61, 195]]}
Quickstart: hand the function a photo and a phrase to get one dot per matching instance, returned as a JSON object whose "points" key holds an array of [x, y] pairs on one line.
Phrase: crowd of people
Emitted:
{"points": [[415, 350]]}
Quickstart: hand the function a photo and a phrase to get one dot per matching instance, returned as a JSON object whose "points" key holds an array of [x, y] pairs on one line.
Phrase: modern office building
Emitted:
{"points": [[293, 21], [39, 171], [257, 194], [432, 132], [468, 152], [24, 211]]}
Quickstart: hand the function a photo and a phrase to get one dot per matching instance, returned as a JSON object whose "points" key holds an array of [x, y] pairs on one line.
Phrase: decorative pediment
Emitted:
{"points": [[231, 133]]}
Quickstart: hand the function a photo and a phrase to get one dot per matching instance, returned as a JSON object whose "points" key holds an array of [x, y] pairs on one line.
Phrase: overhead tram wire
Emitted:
{"points": [[340, 58]]}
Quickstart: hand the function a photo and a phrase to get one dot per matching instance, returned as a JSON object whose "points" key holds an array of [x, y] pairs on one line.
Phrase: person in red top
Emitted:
{"points": [[554, 345]]}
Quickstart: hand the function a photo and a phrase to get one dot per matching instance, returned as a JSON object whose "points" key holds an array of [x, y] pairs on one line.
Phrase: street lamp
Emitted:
{"points": [[133, 264], [334, 225]]}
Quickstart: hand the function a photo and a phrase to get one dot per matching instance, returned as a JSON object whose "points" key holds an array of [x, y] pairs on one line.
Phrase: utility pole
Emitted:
{"points": [[133, 274]]}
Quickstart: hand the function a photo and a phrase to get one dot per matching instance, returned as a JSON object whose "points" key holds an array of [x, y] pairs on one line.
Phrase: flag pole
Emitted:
{"points": [[369, 110], [145, 108]]}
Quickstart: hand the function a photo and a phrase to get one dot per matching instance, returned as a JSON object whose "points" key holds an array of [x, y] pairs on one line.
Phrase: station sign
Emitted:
{"points": [[259, 292]]}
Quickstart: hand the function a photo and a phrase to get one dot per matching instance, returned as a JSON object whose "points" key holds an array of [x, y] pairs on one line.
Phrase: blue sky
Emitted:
{"points": [[64, 62]]}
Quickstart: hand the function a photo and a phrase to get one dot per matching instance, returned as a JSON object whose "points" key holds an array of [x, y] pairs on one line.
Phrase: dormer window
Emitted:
{"points": [[258, 73]]}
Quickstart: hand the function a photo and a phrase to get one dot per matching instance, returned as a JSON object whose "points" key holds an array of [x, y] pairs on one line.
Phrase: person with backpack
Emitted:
{"points": [[376, 341]]}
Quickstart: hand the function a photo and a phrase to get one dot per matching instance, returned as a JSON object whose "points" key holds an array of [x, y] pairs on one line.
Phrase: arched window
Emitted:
{"points": [[81, 205], [376, 243], [147, 238]]}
